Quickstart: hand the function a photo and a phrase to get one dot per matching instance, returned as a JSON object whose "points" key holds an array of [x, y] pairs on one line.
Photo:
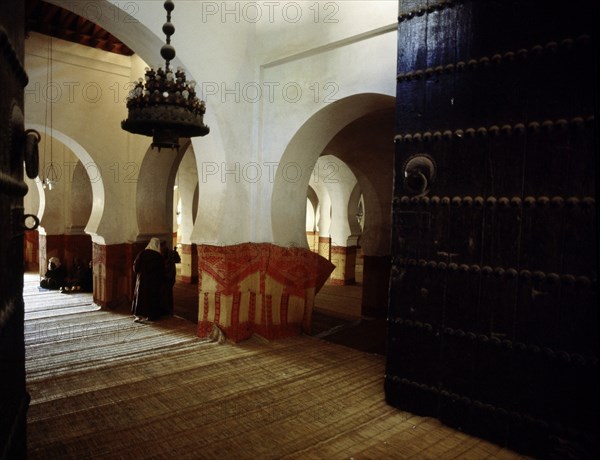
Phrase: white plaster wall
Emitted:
{"points": [[219, 53], [366, 147], [318, 24], [319, 63], [334, 176], [175, 221], [356, 203], [310, 216], [31, 202], [188, 182], [265, 68], [262, 77], [54, 211], [66, 208], [324, 211], [88, 89], [80, 198]]}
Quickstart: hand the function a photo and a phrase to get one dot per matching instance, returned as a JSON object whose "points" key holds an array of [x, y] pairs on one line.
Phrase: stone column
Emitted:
{"points": [[323, 227], [77, 246], [258, 288], [325, 247], [360, 263], [113, 274], [66, 247], [313, 241], [50, 246], [189, 264], [31, 251], [344, 259]]}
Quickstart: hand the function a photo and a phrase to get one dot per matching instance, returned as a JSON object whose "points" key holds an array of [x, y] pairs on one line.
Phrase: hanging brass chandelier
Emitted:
{"points": [[164, 105]]}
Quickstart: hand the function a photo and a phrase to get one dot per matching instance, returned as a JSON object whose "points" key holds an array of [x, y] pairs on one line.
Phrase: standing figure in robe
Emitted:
{"points": [[149, 268]]}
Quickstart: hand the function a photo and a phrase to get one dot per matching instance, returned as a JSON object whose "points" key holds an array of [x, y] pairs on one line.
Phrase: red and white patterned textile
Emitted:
{"points": [[258, 287]]}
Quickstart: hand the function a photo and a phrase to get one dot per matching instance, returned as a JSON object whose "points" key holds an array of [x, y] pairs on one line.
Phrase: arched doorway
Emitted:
{"points": [[357, 131], [66, 209]]}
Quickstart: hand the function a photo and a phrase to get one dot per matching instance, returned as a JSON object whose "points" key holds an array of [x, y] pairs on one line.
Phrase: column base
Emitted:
{"points": [[113, 274], [189, 264], [258, 288], [66, 247], [344, 259]]}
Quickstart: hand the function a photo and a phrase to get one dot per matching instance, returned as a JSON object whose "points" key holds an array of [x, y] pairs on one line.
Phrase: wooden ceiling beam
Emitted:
{"points": [[49, 14], [61, 23]]}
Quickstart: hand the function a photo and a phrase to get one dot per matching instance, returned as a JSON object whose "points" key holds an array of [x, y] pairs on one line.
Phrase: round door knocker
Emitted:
{"points": [[31, 155], [419, 173], [36, 222]]}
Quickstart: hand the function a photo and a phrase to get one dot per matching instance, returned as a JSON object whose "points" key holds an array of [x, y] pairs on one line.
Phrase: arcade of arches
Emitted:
{"points": [[439, 153], [290, 190]]}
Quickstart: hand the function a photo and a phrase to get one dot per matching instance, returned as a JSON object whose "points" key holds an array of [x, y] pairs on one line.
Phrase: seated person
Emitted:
{"points": [[87, 282], [55, 276], [81, 279]]}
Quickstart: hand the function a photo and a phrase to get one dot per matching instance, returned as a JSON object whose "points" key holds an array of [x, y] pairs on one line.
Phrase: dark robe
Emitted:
{"points": [[87, 283], [147, 297], [54, 278], [171, 258]]}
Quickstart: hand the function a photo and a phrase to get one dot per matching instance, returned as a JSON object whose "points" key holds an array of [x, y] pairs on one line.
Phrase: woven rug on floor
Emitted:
{"points": [[42, 303], [103, 386]]}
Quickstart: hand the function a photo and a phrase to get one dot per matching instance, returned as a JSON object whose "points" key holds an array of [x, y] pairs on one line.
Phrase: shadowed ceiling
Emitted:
{"points": [[55, 21]]}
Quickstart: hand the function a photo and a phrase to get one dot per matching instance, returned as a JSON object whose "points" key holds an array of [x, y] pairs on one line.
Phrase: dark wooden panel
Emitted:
{"points": [[492, 317], [14, 399]]}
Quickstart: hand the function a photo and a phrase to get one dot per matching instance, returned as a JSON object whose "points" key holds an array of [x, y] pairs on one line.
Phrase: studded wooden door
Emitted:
{"points": [[13, 142], [492, 322]]}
